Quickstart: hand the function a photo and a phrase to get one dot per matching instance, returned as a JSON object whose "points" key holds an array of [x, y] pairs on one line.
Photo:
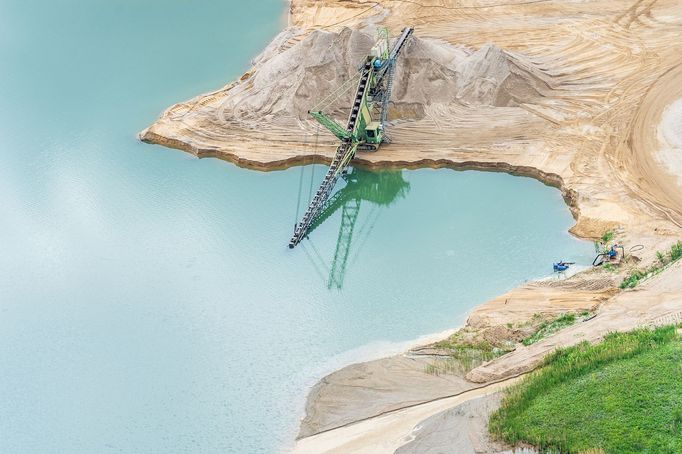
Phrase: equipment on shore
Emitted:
{"points": [[598, 260], [366, 122], [610, 255], [562, 266]]}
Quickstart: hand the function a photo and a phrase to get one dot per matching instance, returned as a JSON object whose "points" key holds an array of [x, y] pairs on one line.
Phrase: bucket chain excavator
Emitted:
{"points": [[365, 126]]}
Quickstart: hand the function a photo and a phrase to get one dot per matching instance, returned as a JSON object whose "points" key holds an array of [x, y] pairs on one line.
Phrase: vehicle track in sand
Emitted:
{"points": [[654, 184]]}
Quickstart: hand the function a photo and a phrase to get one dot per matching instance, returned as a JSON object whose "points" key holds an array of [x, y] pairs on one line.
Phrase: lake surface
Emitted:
{"points": [[148, 301]]}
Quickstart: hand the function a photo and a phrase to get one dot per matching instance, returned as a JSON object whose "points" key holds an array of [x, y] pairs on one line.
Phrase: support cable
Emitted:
{"points": [[363, 239], [311, 259], [300, 184], [312, 174]]}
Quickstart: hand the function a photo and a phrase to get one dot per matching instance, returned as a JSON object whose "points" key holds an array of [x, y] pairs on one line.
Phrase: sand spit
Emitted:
{"points": [[569, 92]]}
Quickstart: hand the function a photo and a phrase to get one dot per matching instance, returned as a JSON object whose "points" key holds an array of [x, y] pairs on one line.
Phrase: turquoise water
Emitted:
{"points": [[148, 302]]}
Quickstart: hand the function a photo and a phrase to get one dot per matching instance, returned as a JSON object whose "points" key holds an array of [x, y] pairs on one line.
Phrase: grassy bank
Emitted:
{"points": [[548, 328], [623, 395], [664, 260], [464, 355]]}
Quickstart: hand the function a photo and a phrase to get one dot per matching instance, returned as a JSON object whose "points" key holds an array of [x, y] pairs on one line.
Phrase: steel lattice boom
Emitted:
{"points": [[364, 129]]}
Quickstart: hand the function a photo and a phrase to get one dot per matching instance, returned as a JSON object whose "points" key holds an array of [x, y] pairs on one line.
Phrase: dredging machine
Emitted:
{"points": [[365, 128]]}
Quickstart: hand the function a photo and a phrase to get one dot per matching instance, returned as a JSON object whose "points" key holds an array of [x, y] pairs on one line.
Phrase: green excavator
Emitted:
{"points": [[365, 126]]}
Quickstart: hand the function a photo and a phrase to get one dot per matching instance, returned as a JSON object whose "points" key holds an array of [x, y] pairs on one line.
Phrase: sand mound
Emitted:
{"points": [[493, 77], [433, 72], [287, 83]]}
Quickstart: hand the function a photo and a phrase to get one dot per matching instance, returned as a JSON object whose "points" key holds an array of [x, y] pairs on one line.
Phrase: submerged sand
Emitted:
{"points": [[582, 95]]}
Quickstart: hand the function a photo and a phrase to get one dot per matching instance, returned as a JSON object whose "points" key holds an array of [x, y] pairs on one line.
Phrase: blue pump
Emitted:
{"points": [[561, 266]]}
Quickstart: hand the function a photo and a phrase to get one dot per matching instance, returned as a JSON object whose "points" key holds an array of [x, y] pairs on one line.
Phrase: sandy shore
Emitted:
{"points": [[388, 432], [582, 95], [461, 429]]}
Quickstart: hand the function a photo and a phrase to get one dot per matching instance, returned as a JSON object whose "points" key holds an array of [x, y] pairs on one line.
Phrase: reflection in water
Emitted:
{"points": [[379, 189]]}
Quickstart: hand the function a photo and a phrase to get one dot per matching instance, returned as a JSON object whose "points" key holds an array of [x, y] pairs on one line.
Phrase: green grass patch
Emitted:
{"points": [[546, 329], [623, 395], [664, 260], [601, 244], [607, 236], [463, 356], [609, 267], [632, 279], [676, 251]]}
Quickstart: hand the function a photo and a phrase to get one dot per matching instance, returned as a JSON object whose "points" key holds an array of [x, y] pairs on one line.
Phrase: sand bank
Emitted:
{"points": [[569, 92], [388, 432]]}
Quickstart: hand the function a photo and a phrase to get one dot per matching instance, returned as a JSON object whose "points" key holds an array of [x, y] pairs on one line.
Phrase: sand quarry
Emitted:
{"points": [[583, 95]]}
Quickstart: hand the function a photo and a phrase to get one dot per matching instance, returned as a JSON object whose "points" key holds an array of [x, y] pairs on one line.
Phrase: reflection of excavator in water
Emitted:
{"points": [[377, 188], [366, 121]]}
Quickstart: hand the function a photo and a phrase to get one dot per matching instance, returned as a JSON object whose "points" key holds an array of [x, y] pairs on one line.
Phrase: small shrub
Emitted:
{"points": [[607, 236], [661, 257], [676, 251], [546, 329], [464, 355], [634, 277], [609, 267]]}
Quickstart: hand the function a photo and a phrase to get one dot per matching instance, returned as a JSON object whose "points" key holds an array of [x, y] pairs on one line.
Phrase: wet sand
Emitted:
{"points": [[388, 432]]}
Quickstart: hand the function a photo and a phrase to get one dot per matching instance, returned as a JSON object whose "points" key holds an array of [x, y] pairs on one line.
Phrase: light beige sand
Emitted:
{"points": [[653, 303], [386, 433], [457, 430], [656, 302], [670, 137], [564, 104]]}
